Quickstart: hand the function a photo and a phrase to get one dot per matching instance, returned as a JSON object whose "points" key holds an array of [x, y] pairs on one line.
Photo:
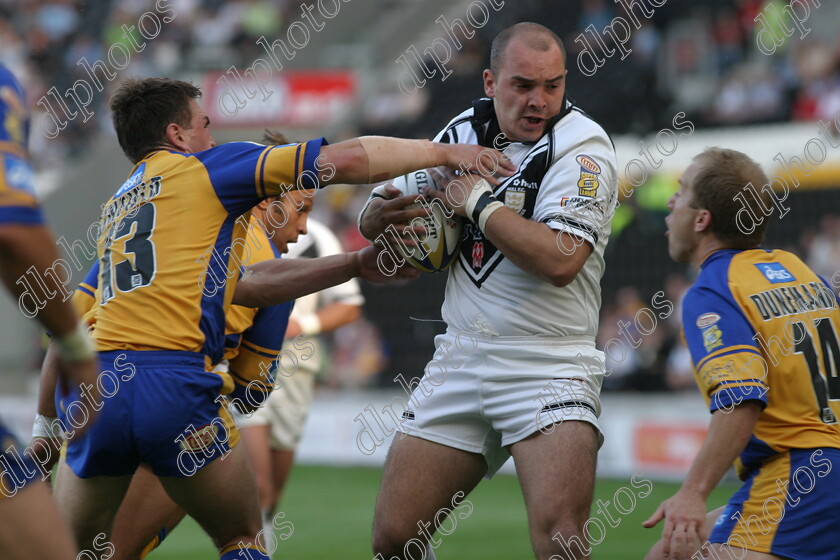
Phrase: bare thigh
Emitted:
{"points": [[88, 504], [557, 473], [145, 510], [256, 439], [419, 485], [222, 497]]}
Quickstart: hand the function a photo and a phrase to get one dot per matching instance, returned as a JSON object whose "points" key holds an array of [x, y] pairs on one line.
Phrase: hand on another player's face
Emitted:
{"points": [[685, 525], [382, 214], [376, 264], [82, 375], [486, 162]]}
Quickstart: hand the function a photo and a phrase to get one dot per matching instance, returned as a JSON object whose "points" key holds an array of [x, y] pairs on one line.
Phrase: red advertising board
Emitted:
{"points": [[667, 447], [295, 99]]}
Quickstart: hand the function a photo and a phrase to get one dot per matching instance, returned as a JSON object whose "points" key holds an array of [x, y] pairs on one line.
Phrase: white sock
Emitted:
{"points": [[269, 539]]}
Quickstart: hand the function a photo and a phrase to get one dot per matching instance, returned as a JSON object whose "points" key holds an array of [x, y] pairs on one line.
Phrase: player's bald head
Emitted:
{"points": [[533, 35]]}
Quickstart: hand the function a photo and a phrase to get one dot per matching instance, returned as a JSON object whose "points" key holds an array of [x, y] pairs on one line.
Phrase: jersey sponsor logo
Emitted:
{"points": [[524, 183], [200, 440], [582, 203], [589, 170], [775, 273], [706, 320], [588, 164], [134, 180], [19, 174], [515, 200], [712, 338]]}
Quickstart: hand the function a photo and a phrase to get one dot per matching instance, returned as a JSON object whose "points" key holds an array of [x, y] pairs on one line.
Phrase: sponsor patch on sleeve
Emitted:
{"points": [[589, 176], [712, 338], [706, 320]]}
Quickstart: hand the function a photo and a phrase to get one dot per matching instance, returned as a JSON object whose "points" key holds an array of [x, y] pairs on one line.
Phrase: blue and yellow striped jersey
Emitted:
{"points": [[17, 181], [171, 243], [253, 336], [761, 325]]}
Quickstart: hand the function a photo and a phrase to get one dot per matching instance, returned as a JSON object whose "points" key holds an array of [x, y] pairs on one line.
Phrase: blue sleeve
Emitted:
{"points": [[720, 339], [254, 368], [243, 173], [91, 281]]}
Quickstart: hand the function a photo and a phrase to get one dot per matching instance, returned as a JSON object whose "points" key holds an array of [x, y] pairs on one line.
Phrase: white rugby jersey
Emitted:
{"points": [[567, 180]]}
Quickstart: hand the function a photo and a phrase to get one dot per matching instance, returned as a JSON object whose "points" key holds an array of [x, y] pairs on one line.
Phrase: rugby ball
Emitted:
{"points": [[439, 248]]}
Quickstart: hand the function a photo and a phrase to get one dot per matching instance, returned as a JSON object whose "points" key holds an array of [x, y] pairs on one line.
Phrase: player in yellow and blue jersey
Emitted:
{"points": [[171, 250], [762, 329], [253, 342], [27, 247]]}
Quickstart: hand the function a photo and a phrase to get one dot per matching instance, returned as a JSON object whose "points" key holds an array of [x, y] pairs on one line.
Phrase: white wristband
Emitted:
{"points": [[309, 324], [46, 427], [75, 346], [477, 191], [485, 214]]}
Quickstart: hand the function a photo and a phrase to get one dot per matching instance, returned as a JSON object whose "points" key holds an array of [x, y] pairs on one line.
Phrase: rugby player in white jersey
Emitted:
{"points": [[517, 372]]}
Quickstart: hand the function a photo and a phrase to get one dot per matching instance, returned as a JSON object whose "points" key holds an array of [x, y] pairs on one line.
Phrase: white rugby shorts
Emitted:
{"points": [[286, 410], [482, 394]]}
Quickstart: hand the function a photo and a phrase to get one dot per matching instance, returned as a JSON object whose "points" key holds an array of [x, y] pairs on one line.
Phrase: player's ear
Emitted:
{"points": [[175, 137], [703, 222], [489, 83]]}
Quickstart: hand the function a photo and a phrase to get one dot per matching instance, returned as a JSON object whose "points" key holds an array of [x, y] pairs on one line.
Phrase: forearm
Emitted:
{"points": [[280, 280], [728, 434], [47, 383], [536, 248], [371, 159], [32, 247]]}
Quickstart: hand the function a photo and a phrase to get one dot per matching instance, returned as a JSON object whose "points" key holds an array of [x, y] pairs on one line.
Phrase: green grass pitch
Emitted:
{"points": [[332, 508]]}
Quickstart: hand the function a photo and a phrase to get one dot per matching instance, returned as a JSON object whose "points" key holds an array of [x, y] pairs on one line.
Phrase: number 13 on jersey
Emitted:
{"points": [[128, 261]]}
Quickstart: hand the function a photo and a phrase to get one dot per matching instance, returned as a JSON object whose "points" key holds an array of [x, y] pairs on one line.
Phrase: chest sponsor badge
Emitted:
{"points": [[590, 172]]}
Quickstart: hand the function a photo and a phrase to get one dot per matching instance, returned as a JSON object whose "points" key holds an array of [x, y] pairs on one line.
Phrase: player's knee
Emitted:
{"points": [[390, 543], [568, 541]]}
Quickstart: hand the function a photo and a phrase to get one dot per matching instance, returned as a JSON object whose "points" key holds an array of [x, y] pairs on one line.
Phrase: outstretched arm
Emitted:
{"points": [[372, 159], [279, 280]]}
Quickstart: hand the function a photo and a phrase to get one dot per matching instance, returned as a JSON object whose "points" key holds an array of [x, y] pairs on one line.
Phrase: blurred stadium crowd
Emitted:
{"points": [[697, 57]]}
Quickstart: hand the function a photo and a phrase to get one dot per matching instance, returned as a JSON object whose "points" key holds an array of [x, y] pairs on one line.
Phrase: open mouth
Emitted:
{"points": [[533, 120]]}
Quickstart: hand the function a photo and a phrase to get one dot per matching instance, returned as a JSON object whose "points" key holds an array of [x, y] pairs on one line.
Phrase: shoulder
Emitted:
{"points": [[712, 287], [577, 128], [458, 129]]}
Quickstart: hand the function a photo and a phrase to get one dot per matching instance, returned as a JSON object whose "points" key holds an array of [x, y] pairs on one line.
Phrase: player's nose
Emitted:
{"points": [[537, 98]]}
